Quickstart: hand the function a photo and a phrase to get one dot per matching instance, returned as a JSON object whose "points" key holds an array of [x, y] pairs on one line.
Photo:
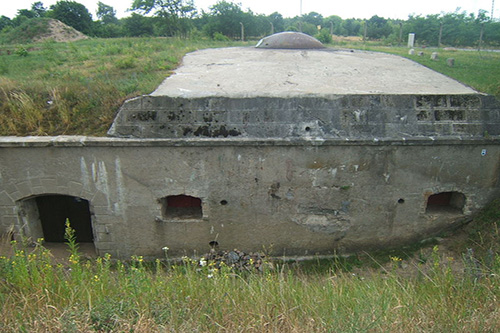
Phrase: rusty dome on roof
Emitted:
{"points": [[289, 40]]}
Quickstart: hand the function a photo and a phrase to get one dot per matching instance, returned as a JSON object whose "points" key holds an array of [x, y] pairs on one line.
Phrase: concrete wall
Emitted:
{"points": [[296, 198], [329, 116]]}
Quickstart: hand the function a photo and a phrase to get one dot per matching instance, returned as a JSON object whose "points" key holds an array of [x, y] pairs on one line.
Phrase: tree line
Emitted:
{"points": [[227, 20]]}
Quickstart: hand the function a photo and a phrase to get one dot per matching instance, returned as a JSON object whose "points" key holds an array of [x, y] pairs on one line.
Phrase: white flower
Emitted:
{"points": [[203, 262], [165, 249]]}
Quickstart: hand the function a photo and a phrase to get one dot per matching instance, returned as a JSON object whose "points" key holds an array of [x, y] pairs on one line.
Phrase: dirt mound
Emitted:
{"points": [[59, 32], [40, 29]]}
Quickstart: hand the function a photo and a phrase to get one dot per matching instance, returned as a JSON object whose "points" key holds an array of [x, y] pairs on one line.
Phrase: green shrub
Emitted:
{"points": [[126, 63], [22, 52], [220, 37], [324, 36]]}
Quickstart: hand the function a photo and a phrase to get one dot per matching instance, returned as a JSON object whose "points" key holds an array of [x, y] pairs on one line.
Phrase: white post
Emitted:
{"points": [[411, 40]]}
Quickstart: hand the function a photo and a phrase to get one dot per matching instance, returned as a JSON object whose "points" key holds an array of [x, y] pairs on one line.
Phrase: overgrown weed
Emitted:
{"points": [[38, 294], [76, 88]]}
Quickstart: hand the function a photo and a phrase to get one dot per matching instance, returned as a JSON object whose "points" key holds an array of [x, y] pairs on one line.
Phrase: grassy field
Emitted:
{"points": [[76, 88]]}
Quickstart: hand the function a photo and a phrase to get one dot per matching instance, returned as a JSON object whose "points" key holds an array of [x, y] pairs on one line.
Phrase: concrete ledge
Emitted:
{"points": [[87, 141]]}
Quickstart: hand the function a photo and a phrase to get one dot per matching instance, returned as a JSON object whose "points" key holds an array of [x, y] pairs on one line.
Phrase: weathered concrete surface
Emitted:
{"points": [[297, 197], [249, 72], [347, 116], [289, 40]]}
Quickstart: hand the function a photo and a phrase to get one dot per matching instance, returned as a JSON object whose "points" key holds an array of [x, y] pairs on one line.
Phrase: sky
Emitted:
{"points": [[396, 9]]}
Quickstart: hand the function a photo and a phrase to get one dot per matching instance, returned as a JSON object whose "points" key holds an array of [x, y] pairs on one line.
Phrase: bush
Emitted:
{"points": [[220, 37], [22, 52], [126, 63], [324, 36]]}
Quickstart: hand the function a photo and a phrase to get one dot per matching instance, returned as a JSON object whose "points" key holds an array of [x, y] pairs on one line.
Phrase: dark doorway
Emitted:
{"points": [[55, 209]]}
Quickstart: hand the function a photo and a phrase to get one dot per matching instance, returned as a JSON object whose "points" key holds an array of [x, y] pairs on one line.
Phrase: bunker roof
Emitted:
{"points": [[255, 72], [257, 93]]}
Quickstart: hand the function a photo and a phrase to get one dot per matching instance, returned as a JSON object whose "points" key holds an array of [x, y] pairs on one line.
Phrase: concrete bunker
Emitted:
{"points": [[182, 207], [357, 141], [445, 202], [44, 216]]}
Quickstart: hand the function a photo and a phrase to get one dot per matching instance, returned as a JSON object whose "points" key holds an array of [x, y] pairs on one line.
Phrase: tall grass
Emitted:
{"points": [[38, 294], [76, 88]]}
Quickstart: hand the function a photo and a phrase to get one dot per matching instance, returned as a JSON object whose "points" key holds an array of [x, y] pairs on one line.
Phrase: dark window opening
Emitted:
{"points": [[53, 210], [451, 202], [182, 207]]}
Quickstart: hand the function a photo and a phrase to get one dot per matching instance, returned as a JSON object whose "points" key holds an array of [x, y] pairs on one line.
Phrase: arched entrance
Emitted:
{"points": [[45, 216]]}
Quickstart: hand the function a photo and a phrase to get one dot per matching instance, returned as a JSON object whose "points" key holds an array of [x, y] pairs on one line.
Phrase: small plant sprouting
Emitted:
{"points": [[70, 236], [22, 52]]}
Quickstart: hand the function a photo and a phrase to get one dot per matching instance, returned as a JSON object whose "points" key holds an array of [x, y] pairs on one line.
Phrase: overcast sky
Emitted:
{"points": [[290, 8]]}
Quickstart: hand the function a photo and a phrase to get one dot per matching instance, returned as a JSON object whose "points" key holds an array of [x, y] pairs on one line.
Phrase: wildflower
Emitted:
{"points": [[165, 248], [203, 262], [73, 259]]}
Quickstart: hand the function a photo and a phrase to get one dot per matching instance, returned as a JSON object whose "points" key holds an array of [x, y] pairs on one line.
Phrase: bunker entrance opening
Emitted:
{"points": [[446, 202], [45, 216], [181, 207]]}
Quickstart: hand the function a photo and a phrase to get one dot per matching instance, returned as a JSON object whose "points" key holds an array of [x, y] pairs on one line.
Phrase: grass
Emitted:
{"points": [[39, 294], [479, 70], [76, 88]]}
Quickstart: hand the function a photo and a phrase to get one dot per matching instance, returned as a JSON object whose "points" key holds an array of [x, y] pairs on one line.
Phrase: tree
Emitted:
{"points": [[352, 27], [73, 14], [313, 18], [378, 27], [38, 9], [337, 24], [425, 28], [137, 25], [225, 18], [175, 15], [106, 14], [5, 22], [26, 13], [277, 21]]}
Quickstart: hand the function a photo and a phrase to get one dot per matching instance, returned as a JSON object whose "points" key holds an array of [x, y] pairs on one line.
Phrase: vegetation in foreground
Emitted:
{"points": [[37, 294], [75, 88]]}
